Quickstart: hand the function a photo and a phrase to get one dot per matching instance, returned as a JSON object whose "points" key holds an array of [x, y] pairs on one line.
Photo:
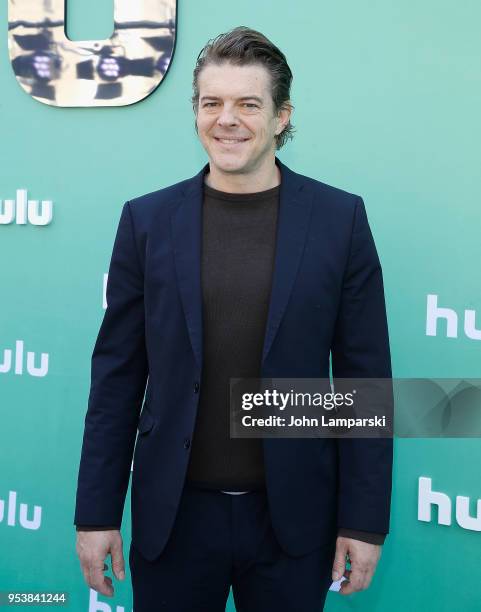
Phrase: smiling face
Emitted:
{"points": [[236, 119]]}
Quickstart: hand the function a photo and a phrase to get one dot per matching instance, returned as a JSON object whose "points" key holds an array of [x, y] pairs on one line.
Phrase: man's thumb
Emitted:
{"points": [[118, 565], [339, 565]]}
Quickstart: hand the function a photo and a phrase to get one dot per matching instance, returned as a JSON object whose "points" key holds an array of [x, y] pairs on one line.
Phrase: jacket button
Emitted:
{"points": [[196, 387], [186, 443]]}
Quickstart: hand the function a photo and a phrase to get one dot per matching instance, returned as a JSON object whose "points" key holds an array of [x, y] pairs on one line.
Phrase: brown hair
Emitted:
{"points": [[243, 46]]}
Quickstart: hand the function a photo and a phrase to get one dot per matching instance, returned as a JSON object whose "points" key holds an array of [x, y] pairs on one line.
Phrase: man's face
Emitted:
{"points": [[236, 120]]}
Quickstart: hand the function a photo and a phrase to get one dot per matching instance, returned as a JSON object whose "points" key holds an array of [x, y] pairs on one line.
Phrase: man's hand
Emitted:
{"points": [[363, 558], [92, 549]]}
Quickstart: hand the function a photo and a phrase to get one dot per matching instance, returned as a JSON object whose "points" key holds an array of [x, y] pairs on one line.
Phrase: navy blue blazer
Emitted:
{"points": [[327, 301]]}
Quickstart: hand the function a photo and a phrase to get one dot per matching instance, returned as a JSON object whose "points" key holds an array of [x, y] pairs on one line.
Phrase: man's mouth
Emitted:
{"points": [[230, 141]]}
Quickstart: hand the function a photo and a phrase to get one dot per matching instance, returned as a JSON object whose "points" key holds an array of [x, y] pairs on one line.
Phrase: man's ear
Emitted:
{"points": [[195, 118], [283, 116]]}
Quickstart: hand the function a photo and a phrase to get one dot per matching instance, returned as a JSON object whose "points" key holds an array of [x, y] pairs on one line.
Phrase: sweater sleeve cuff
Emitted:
{"points": [[364, 536], [95, 527]]}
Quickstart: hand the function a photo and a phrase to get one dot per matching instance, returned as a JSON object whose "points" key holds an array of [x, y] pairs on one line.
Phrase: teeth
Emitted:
{"points": [[229, 141]]}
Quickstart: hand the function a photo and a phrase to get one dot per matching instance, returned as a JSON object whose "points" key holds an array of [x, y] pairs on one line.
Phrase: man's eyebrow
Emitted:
{"points": [[256, 98]]}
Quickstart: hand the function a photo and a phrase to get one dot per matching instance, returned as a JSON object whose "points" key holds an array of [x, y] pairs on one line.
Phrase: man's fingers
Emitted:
{"points": [[86, 573], [358, 579], [339, 565], [95, 579], [365, 572], [354, 583], [118, 564], [346, 588], [100, 583]]}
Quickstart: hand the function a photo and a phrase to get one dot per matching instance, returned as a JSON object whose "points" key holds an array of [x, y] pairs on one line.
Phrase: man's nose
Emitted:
{"points": [[228, 117]]}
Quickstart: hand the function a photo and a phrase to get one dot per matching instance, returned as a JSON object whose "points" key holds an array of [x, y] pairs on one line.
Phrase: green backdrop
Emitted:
{"points": [[387, 102]]}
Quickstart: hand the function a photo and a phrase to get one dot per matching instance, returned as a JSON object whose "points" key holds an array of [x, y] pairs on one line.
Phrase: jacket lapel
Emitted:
{"points": [[292, 226], [186, 221]]}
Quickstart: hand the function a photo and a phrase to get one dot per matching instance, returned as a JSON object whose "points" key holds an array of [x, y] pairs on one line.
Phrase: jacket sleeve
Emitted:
{"points": [[119, 372], [360, 349]]}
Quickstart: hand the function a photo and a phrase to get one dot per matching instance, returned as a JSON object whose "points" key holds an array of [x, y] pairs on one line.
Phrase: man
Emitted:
{"points": [[248, 269]]}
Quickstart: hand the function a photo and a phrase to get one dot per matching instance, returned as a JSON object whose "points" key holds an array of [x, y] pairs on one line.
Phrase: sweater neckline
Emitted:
{"points": [[240, 197]]}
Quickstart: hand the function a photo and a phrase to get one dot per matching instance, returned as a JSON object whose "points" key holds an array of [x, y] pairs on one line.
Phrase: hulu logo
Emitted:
{"points": [[8, 511], [23, 211], [15, 359], [435, 313], [427, 499]]}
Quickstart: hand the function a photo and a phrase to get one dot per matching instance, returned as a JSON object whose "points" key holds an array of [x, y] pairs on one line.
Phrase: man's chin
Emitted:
{"points": [[232, 166]]}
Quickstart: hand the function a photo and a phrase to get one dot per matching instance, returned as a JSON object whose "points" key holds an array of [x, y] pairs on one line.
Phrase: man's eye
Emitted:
{"points": [[250, 105], [208, 104]]}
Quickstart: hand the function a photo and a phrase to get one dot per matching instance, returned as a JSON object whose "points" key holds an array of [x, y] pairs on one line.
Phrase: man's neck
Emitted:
{"points": [[251, 182]]}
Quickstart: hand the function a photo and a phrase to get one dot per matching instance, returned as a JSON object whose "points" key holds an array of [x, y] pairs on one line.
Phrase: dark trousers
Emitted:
{"points": [[219, 540]]}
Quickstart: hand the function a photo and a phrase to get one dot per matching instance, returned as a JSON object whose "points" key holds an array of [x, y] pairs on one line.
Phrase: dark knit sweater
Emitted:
{"points": [[237, 262]]}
